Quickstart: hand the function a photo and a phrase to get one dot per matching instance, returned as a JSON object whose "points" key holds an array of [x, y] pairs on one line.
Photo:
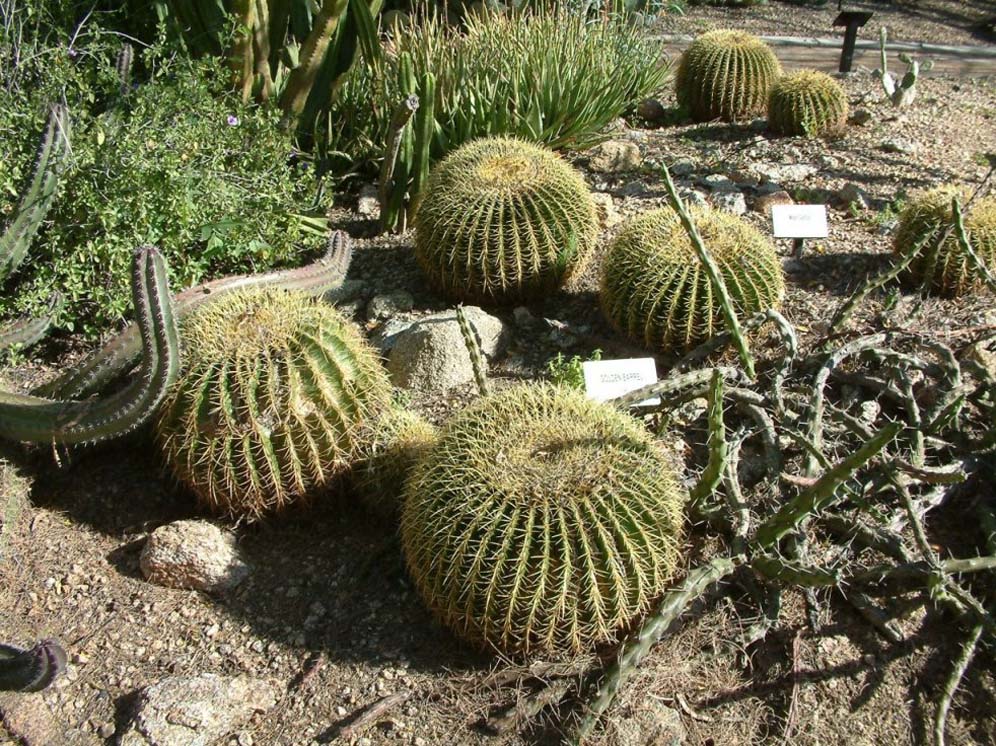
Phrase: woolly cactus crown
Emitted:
{"points": [[656, 291], [503, 220], [943, 265], [277, 397], [542, 521], [807, 103], [726, 75]]}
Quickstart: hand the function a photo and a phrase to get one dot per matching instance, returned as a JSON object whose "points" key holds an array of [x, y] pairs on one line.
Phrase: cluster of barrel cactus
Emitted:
{"points": [[726, 75], [942, 263], [808, 103], [503, 220], [655, 290]]}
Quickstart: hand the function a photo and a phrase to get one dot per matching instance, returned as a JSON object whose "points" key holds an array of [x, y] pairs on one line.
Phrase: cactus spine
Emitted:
{"points": [[656, 290], [726, 75], [542, 521], [53, 157], [503, 220], [30, 418], [807, 103], [120, 352]]}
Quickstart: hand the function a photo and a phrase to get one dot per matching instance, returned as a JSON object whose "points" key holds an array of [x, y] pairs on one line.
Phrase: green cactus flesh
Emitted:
{"points": [[943, 265], [655, 290], [503, 220], [807, 103], [726, 75], [277, 398], [542, 522]]}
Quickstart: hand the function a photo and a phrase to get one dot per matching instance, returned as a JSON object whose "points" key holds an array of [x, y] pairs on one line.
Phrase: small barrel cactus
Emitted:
{"points": [[942, 265], [503, 220], [542, 522], [401, 439], [807, 103], [278, 396], [655, 289], [726, 75]]}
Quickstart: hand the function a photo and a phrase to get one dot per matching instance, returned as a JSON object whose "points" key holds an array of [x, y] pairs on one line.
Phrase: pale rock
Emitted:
{"points": [[860, 117], [368, 205], [192, 554], [765, 202], [731, 202], [782, 172], [605, 209], [718, 183], [615, 156], [899, 145], [852, 194], [385, 306], [653, 724]]}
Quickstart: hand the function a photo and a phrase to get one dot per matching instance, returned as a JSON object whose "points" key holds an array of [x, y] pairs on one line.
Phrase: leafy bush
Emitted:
{"points": [[545, 76], [176, 162]]}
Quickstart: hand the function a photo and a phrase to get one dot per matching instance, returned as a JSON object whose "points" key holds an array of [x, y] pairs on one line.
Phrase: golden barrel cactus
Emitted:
{"points": [[808, 103]]}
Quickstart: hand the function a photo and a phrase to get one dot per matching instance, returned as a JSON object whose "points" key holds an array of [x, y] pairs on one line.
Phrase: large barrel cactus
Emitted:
{"points": [[542, 521], [655, 289], [503, 220], [807, 103], [944, 266], [726, 75], [278, 396]]}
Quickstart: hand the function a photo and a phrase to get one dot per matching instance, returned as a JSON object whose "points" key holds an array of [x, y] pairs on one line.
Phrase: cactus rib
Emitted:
{"points": [[33, 419], [52, 159], [30, 330], [120, 352]]}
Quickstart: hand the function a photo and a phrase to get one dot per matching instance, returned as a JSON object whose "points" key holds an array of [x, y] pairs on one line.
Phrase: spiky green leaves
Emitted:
{"points": [[277, 398], [655, 289], [944, 266], [542, 521], [726, 75], [503, 220], [807, 103]]}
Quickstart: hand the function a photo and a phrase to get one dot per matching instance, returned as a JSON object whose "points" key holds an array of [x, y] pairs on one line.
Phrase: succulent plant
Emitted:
{"points": [[503, 220], [655, 290], [944, 266], [542, 521], [807, 103], [726, 75], [401, 438], [278, 396]]}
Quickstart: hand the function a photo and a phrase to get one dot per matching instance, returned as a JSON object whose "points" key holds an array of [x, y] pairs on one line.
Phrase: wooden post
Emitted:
{"points": [[852, 20]]}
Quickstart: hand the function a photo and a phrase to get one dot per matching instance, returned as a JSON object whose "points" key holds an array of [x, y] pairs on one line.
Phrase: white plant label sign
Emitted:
{"points": [[607, 379], [799, 221]]}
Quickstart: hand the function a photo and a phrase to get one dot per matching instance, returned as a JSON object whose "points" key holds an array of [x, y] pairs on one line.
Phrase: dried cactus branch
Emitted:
{"points": [[961, 664]]}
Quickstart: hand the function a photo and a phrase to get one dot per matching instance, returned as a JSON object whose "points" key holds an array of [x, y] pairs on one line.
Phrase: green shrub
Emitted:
{"points": [[279, 395], [807, 103], [545, 76], [942, 265], [656, 291], [569, 372], [542, 521], [177, 163], [503, 220], [726, 75]]}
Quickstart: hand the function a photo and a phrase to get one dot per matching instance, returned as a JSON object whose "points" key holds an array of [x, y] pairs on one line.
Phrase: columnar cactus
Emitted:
{"points": [[655, 289], [278, 396], [726, 75], [943, 265], [807, 103], [542, 521], [503, 220]]}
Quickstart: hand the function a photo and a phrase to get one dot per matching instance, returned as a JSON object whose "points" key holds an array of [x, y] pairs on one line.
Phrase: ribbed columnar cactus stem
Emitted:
{"points": [[29, 418], [30, 330], [53, 157], [473, 344], [122, 350], [312, 56], [30, 670], [807, 103], [726, 75], [503, 220]]}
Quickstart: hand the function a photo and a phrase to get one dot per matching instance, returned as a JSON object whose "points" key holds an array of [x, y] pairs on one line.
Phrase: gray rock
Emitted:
{"points": [[852, 194], [693, 197], [731, 202], [652, 725], [605, 208], [368, 205], [615, 156], [523, 317], [196, 710], [899, 145], [385, 306], [192, 554], [651, 110], [779, 172], [861, 117], [386, 336], [682, 168], [430, 355], [718, 183], [350, 290]]}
